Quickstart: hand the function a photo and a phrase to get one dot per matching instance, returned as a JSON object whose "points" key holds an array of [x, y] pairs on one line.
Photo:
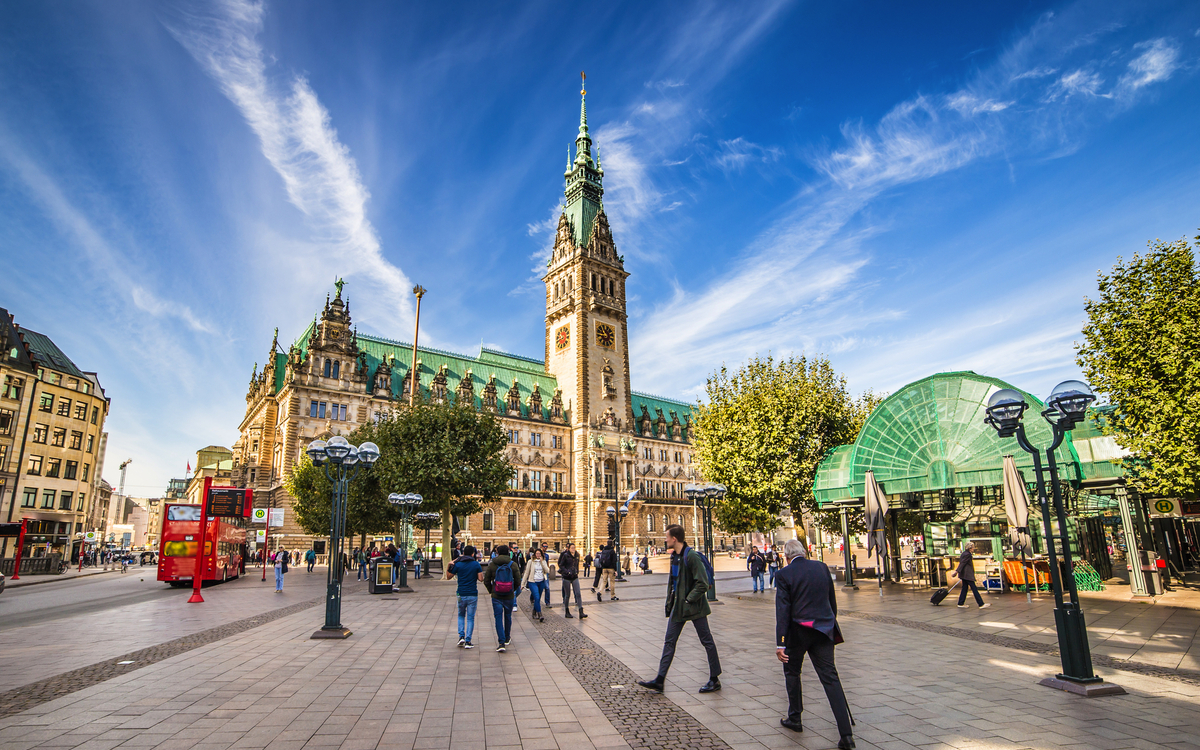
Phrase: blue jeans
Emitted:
{"points": [[536, 589], [416, 570], [758, 582], [363, 575], [502, 609], [279, 578], [466, 616], [772, 571]]}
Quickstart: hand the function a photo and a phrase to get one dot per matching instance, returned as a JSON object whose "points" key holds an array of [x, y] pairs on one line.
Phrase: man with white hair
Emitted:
{"points": [[806, 623]]}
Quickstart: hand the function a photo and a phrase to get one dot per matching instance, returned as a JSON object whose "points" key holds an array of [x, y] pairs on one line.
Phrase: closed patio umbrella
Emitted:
{"points": [[875, 507], [1016, 507]]}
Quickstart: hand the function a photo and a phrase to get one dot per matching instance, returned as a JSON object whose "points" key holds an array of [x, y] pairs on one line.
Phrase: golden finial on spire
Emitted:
{"points": [[583, 83]]}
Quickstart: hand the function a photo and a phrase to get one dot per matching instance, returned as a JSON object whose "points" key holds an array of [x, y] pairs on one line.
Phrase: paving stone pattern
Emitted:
{"points": [[644, 718], [27, 696]]}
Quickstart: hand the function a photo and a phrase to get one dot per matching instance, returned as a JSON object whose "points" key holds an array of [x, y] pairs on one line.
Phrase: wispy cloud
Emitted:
{"points": [[1157, 61], [1077, 82], [735, 154], [298, 139]]}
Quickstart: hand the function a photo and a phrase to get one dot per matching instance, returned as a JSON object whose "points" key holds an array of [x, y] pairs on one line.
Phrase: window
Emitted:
{"points": [[681, 522], [30, 498], [512, 520], [535, 438], [514, 482], [85, 387], [53, 465], [95, 414], [64, 407], [80, 410], [7, 421], [678, 457], [60, 437], [86, 467], [321, 410], [662, 454], [71, 470], [47, 403], [13, 386], [48, 499], [535, 521], [90, 439], [76, 440], [64, 500], [650, 523], [3, 458], [648, 454], [254, 446], [558, 481], [554, 441], [80, 508], [35, 465], [489, 520], [536, 481], [328, 367], [514, 436], [557, 521], [666, 521], [312, 408], [73, 383]]}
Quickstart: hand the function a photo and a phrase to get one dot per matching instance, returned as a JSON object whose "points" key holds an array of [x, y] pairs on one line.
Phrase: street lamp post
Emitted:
{"points": [[428, 521], [341, 461], [407, 504], [618, 515], [706, 497], [1066, 408]]}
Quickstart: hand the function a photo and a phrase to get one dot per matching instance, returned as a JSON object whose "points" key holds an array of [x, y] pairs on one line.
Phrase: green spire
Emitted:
{"points": [[585, 188]]}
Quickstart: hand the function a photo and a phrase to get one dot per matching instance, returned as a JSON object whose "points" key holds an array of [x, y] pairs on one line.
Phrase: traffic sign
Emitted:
{"points": [[1165, 506]]}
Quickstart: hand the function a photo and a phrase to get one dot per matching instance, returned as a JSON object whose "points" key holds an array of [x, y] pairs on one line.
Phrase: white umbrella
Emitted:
{"points": [[875, 507], [1016, 507]]}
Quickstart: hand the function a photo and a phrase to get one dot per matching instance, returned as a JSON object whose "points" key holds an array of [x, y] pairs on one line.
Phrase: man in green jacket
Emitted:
{"points": [[687, 601]]}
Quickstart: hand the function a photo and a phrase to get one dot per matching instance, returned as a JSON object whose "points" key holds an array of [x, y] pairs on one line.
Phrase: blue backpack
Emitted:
{"points": [[708, 568], [504, 580]]}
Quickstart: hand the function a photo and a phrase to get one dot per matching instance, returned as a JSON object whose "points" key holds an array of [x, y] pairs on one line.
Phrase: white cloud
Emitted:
{"points": [[734, 155], [968, 104], [155, 305], [320, 176], [1158, 60], [1039, 72], [1078, 82]]}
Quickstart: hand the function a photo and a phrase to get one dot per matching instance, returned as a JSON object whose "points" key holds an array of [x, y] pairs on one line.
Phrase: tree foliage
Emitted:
{"points": [[452, 456], [763, 431], [1141, 350]]}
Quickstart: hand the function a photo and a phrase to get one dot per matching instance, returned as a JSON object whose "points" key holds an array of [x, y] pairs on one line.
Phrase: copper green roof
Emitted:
{"points": [[930, 435], [584, 190], [47, 354]]}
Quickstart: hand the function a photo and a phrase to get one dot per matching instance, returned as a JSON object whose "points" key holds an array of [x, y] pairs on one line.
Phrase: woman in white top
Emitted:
{"points": [[537, 580]]}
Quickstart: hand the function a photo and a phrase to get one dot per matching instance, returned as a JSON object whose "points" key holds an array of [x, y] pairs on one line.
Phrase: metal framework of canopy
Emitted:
{"points": [[930, 436]]}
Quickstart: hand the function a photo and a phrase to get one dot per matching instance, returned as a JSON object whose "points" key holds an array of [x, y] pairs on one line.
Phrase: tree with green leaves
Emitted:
{"points": [[764, 430], [450, 455], [1141, 350]]}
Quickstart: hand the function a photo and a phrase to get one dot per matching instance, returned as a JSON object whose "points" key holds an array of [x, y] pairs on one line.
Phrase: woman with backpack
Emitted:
{"points": [[502, 580], [537, 580]]}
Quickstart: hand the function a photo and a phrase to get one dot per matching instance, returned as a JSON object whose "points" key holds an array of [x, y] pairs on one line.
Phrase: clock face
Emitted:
{"points": [[562, 337], [605, 336]]}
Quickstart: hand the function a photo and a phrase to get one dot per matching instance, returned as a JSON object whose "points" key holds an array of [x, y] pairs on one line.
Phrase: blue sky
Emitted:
{"points": [[905, 188]]}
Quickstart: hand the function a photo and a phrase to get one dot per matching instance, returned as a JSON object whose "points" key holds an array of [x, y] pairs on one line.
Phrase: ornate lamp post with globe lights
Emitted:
{"points": [[1066, 408], [407, 503], [341, 462], [706, 497]]}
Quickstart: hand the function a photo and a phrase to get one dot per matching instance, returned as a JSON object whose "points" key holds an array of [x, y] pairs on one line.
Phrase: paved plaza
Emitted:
{"points": [[246, 675]]}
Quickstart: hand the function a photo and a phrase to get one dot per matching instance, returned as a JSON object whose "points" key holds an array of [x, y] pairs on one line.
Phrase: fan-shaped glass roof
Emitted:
{"points": [[930, 435]]}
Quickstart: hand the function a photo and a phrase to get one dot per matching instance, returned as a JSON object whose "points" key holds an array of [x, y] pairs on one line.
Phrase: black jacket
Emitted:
{"points": [[756, 563], [568, 565], [804, 594], [608, 559], [966, 567]]}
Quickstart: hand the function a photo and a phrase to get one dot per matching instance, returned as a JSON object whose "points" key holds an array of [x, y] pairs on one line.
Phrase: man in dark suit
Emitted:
{"points": [[806, 623]]}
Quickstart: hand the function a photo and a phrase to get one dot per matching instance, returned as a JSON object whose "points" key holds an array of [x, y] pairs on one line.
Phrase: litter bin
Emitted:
{"points": [[380, 580], [1151, 572]]}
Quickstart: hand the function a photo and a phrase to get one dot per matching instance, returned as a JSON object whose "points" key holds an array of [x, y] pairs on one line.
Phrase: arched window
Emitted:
{"points": [[666, 521], [650, 523], [535, 521], [557, 521], [489, 520], [328, 367], [681, 522], [512, 520]]}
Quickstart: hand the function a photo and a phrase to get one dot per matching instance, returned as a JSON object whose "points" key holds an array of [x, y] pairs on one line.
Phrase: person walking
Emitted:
{"points": [[806, 623], [687, 601], [281, 569], [568, 568], [607, 567], [772, 558], [418, 557], [469, 572], [757, 565], [537, 580], [587, 565], [966, 575], [628, 564], [310, 557], [503, 581]]}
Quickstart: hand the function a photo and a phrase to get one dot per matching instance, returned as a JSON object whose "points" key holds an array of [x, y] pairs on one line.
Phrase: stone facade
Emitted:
{"points": [[580, 439]]}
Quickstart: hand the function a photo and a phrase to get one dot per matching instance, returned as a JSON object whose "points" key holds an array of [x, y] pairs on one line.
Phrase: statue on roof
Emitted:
{"points": [[339, 284]]}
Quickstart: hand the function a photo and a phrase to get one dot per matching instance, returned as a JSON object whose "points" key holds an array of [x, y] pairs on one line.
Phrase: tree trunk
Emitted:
{"points": [[445, 540]]}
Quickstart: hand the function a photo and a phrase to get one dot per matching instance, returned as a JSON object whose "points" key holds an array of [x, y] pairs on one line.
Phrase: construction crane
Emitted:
{"points": [[111, 516]]}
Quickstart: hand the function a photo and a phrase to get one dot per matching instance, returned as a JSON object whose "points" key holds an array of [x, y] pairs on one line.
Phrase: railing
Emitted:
{"points": [[33, 566]]}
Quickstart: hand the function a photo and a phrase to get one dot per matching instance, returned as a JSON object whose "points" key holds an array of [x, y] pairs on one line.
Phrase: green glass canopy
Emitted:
{"points": [[930, 435]]}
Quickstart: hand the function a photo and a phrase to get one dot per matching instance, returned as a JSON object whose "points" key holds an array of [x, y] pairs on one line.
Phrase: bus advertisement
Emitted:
{"points": [[224, 545]]}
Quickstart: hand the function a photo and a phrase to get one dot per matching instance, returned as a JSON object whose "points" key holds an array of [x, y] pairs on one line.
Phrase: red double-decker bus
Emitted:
{"points": [[224, 546]]}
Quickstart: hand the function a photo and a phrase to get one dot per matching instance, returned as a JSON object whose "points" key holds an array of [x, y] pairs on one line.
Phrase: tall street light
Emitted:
{"points": [[407, 504], [616, 516], [1066, 408], [705, 497], [341, 462], [419, 291], [427, 521]]}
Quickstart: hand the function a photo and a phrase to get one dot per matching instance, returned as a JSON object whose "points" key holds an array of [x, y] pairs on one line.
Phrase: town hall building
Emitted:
{"points": [[580, 438]]}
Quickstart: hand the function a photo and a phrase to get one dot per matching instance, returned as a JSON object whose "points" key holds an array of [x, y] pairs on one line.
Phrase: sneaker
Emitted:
{"points": [[500, 649], [984, 606], [963, 606], [599, 597], [613, 599], [468, 644], [462, 642]]}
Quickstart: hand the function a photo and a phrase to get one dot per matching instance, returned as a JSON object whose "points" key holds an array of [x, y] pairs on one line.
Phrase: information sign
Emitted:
{"points": [[1165, 506], [261, 536], [90, 537], [228, 501], [260, 515]]}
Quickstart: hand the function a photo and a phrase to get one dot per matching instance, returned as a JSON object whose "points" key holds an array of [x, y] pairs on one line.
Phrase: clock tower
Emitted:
{"points": [[587, 343]]}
